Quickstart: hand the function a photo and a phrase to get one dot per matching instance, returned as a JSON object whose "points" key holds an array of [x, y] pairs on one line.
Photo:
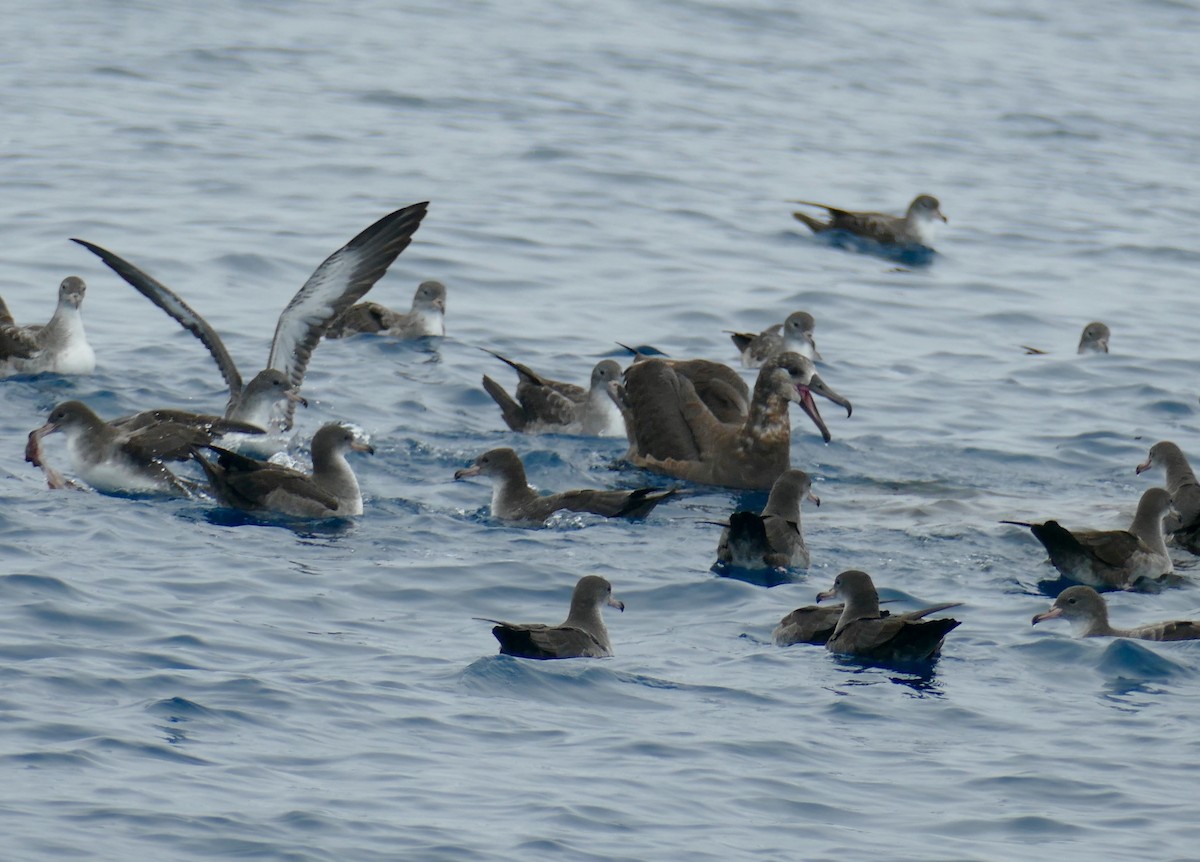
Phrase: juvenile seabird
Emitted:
{"points": [[772, 538], [1111, 559], [114, 459], [581, 635], [915, 227], [673, 432], [1087, 612], [794, 335], [543, 405], [260, 486], [513, 499], [426, 317], [59, 347], [340, 281], [1183, 527], [864, 632]]}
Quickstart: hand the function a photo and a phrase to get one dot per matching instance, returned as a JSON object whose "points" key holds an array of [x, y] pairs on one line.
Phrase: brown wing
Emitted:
{"points": [[654, 395], [1111, 547], [1175, 630], [363, 317], [547, 642], [610, 504], [250, 485], [722, 389], [812, 624], [15, 341]]}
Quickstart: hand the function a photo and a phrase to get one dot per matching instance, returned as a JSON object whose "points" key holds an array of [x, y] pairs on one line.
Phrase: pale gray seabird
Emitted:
{"points": [[550, 406], [58, 347], [916, 227], [794, 335], [427, 317]]}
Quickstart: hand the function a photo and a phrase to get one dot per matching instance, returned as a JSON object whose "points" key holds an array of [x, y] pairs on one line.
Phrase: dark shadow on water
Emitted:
{"points": [[906, 255], [764, 577], [918, 676], [304, 528], [1053, 586]]}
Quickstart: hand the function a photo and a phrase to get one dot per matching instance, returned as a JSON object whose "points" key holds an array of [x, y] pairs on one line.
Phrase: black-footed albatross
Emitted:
{"points": [[340, 281], [513, 499], [1087, 612], [673, 432], [1111, 559], [58, 347], [772, 538], [864, 632], [426, 317], [581, 635], [794, 335], [1183, 527], [915, 227], [543, 405], [260, 486]]}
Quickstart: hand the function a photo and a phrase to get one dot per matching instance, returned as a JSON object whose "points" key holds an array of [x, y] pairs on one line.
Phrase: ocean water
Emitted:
{"points": [[180, 683]]}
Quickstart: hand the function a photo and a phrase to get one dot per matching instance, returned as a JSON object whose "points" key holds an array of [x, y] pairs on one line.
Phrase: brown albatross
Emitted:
{"points": [[865, 632], [672, 431], [1087, 612], [581, 635], [513, 499], [427, 317], [1111, 559], [915, 227], [543, 405], [260, 486], [58, 347], [340, 281], [772, 538]]}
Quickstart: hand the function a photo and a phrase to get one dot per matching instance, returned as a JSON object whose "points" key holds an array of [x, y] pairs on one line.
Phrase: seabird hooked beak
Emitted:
{"points": [[805, 400], [361, 446], [616, 603], [473, 470], [1143, 467], [1051, 614], [295, 397], [813, 498], [827, 594]]}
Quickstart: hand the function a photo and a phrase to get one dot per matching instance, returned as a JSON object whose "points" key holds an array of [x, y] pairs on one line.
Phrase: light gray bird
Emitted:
{"points": [[915, 227], [1087, 612], [581, 635], [794, 335], [550, 406], [58, 347], [426, 317]]}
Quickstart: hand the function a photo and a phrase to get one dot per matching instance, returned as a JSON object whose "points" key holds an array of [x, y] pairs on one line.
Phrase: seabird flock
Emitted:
{"points": [[693, 420]]}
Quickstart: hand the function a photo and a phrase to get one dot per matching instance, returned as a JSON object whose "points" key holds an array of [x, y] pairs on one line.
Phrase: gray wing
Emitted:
{"points": [[364, 317], [15, 341], [342, 280], [184, 315]]}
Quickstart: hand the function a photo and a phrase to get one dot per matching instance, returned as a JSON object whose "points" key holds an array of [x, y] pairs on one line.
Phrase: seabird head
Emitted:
{"points": [[71, 291], [66, 417], [605, 371], [926, 208], [789, 489], [337, 439], [503, 462], [593, 591], [1082, 606], [852, 587], [1161, 454], [1155, 504], [796, 378], [272, 385], [799, 327], [430, 294], [1094, 338]]}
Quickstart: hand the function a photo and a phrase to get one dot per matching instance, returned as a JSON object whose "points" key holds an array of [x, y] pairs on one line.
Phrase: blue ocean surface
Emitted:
{"points": [[178, 682]]}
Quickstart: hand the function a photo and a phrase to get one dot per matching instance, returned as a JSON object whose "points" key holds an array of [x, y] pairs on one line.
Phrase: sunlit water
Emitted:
{"points": [[180, 682]]}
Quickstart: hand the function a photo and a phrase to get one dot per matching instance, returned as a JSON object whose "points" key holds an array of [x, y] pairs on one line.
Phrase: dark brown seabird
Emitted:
{"points": [[513, 499], [581, 635], [59, 347], [1087, 612], [915, 227], [543, 405], [427, 317], [1111, 559], [794, 335], [864, 632], [673, 432], [772, 538], [1183, 527], [340, 281], [260, 486]]}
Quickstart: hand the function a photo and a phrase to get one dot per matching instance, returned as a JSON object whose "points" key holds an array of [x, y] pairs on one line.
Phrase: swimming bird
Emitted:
{"points": [[1111, 559], [672, 431], [865, 632], [581, 635], [260, 486], [795, 334], [514, 500], [1087, 612], [426, 317], [58, 347], [1183, 527], [915, 227], [772, 538], [341, 280], [1093, 339], [544, 406], [124, 458]]}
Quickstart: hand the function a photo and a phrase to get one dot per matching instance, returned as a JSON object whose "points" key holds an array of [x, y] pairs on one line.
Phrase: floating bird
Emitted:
{"points": [[514, 500], [581, 635], [672, 431], [1087, 612], [794, 335], [427, 317], [1184, 527], [260, 486], [1094, 339], [59, 347], [1111, 559], [915, 227], [864, 632], [772, 538], [130, 457], [551, 406], [341, 280]]}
